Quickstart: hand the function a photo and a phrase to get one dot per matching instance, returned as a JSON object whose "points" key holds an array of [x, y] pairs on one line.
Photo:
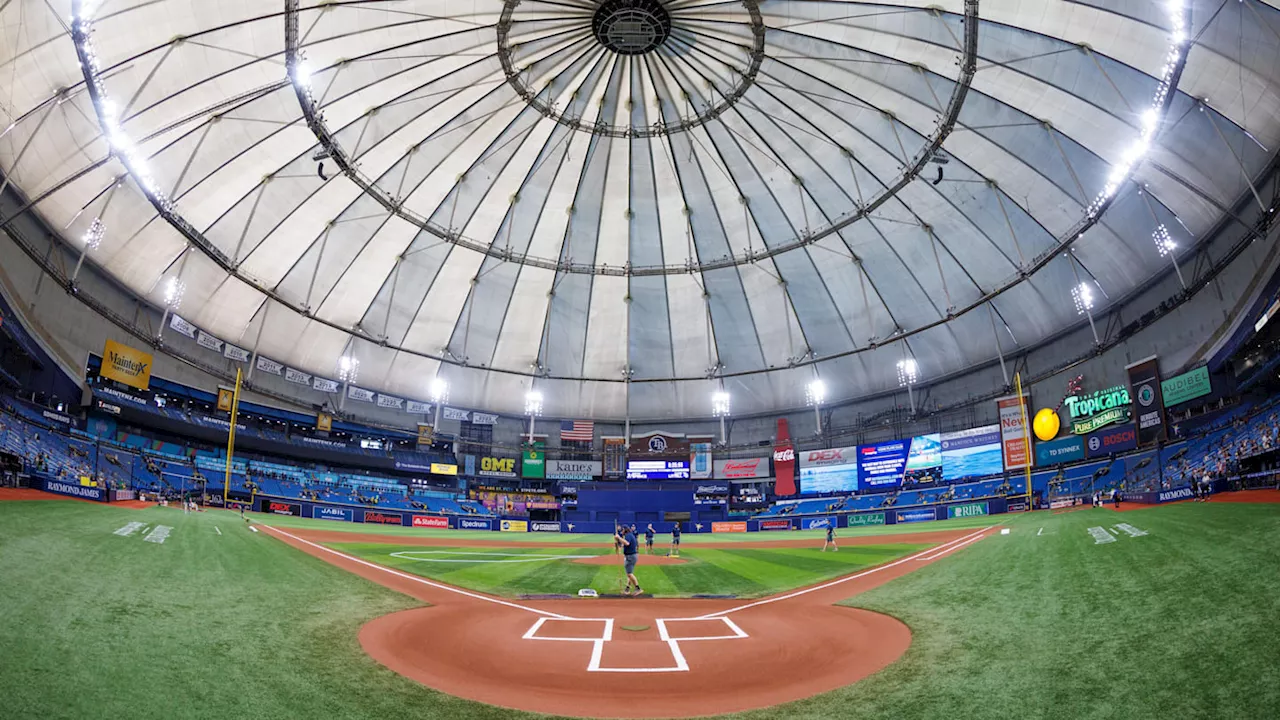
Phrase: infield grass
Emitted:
{"points": [[1180, 623], [742, 572]]}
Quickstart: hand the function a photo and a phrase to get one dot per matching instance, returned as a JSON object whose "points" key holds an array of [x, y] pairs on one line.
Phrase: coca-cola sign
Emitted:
{"points": [[784, 461], [744, 468]]}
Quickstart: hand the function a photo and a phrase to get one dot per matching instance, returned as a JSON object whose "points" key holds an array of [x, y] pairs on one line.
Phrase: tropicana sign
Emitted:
{"points": [[1098, 409]]}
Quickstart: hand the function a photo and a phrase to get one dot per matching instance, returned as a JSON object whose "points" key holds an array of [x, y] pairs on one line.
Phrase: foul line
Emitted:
{"points": [[939, 552], [846, 578], [424, 581]]}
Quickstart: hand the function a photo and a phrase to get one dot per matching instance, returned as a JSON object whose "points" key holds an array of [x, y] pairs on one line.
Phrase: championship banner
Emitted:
{"points": [[231, 352], [456, 414], [533, 462], [479, 418], [297, 376], [1014, 446], [784, 461], [1148, 406], [417, 408], [426, 434], [700, 460], [387, 401], [324, 422], [357, 393], [126, 365], [325, 386], [209, 342], [268, 365], [225, 399], [182, 326]]}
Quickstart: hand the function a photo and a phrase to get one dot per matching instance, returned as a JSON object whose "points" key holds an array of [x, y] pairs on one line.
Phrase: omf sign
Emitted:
{"points": [[1098, 409]]}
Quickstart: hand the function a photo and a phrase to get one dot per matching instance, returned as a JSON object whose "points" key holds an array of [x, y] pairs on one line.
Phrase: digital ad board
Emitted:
{"points": [[924, 460], [658, 470], [880, 464], [829, 470], [971, 453]]}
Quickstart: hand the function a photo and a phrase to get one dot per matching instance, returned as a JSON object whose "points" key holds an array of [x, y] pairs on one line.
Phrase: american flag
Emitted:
{"points": [[577, 430]]}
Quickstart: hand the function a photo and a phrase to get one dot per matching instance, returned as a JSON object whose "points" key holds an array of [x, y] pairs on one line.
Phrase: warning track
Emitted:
{"points": [[694, 657]]}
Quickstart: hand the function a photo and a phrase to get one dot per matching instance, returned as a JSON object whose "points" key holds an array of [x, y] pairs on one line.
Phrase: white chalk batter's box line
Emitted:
{"points": [[664, 634]]}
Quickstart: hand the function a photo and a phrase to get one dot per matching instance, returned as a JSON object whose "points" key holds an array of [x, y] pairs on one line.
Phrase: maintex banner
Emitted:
{"points": [[784, 461], [1014, 443], [1148, 407], [742, 469]]}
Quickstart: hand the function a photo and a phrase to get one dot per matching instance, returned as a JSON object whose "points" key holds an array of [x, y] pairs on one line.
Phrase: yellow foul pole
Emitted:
{"points": [[231, 438], [1026, 431]]}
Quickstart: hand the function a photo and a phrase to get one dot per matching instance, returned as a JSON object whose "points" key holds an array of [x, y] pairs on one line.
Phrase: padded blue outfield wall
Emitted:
{"points": [[345, 513]]}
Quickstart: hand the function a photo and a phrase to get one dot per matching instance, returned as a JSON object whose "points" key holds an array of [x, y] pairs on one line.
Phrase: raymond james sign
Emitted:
{"points": [[1098, 409]]}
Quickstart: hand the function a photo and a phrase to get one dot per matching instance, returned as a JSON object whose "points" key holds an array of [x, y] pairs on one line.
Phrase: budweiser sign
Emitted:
{"points": [[742, 469]]}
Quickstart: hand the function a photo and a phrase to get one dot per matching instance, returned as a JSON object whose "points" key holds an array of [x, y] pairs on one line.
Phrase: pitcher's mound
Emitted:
{"points": [[643, 560]]}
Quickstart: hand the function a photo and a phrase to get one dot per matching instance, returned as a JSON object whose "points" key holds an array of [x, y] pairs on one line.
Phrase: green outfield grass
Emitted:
{"points": [[1180, 623], [689, 538], [744, 572]]}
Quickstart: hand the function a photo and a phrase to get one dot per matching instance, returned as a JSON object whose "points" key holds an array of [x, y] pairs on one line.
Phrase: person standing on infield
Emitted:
{"points": [[675, 541], [831, 538], [626, 536], [648, 539]]}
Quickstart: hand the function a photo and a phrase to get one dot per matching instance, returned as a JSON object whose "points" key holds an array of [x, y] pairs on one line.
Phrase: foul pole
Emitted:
{"points": [[231, 438], [1026, 434]]}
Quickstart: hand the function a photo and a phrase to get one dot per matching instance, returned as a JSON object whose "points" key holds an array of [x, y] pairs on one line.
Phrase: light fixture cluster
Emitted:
{"points": [[174, 289], [439, 390], [93, 236], [816, 392], [348, 369], [908, 372], [719, 403], [108, 112], [1164, 243], [533, 403], [1082, 294], [1151, 117]]}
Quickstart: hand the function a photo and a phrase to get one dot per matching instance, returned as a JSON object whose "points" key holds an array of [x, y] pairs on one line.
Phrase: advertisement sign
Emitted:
{"points": [[225, 398], [742, 469], [320, 512], [282, 508], [573, 469], [426, 434], [80, 491], [821, 523], [1144, 388], [910, 516], [967, 510], [775, 524], [533, 461], [1067, 449], [1020, 506], [324, 422], [924, 460], [430, 521], [868, 519], [383, 518], [1098, 409], [880, 465], [466, 523], [711, 489], [443, 469], [1111, 440], [1182, 493], [700, 458], [1014, 435], [1187, 386], [737, 526], [829, 470], [784, 461], [497, 467], [514, 526], [541, 526], [657, 469], [975, 452], [126, 365]]}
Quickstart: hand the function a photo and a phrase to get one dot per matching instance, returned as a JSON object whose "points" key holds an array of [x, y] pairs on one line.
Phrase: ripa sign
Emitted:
{"points": [[1098, 409]]}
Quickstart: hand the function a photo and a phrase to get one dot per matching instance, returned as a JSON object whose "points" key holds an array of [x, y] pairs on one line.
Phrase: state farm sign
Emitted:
{"points": [[830, 456], [744, 468]]}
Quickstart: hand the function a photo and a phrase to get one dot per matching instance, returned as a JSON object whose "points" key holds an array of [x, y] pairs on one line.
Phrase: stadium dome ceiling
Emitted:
{"points": [[630, 202]]}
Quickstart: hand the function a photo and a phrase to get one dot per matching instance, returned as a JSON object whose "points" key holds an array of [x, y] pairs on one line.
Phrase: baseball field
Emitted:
{"points": [[1162, 612]]}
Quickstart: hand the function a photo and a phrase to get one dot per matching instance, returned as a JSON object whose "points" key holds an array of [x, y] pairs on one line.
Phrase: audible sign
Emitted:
{"points": [[124, 364]]}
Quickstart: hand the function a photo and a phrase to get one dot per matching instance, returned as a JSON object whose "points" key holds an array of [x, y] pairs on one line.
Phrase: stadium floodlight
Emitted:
{"points": [[908, 372], [720, 403], [1082, 294], [1164, 242], [174, 289], [302, 75], [816, 392], [348, 369], [93, 236], [533, 403], [439, 390]]}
